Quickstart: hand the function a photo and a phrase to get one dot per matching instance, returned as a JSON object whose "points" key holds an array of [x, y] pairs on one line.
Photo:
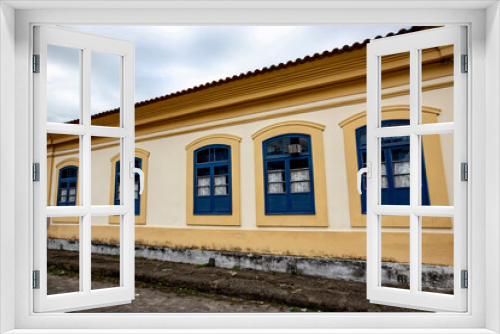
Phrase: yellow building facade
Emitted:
{"points": [[321, 97]]}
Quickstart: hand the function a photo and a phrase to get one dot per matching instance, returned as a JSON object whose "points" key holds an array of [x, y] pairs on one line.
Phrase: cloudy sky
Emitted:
{"points": [[173, 58]]}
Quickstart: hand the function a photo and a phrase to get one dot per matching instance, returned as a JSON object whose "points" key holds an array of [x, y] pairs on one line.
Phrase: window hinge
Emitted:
{"points": [[465, 64], [464, 171], [465, 279], [36, 63], [36, 172], [36, 279]]}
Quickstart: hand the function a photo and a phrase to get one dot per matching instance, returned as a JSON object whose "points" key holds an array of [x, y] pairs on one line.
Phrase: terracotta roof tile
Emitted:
{"points": [[272, 68]]}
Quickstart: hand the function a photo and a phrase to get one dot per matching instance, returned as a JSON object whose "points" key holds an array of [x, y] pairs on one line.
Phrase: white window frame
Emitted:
{"points": [[414, 44], [86, 44], [484, 211]]}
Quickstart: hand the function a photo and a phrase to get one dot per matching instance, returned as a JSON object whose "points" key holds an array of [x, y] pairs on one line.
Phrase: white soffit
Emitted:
{"points": [[249, 4]]}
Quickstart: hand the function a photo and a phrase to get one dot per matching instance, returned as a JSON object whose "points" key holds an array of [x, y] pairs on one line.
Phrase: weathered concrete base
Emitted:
{"points": [[393, 274]]}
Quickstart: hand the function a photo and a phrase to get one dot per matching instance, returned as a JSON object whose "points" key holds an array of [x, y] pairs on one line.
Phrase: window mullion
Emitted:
{"points": [[212, 187], [415, 97], [390, 178], [288, 185], [85, 168]]}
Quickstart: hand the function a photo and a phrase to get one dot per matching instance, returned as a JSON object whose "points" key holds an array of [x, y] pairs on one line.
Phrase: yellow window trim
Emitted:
{"points": [[64, 163], [141, 218], [214, 220], [436, 182], [315, 130]]}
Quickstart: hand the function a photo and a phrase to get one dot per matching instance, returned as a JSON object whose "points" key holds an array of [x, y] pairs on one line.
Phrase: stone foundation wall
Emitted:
{"points": [[438, 278]]}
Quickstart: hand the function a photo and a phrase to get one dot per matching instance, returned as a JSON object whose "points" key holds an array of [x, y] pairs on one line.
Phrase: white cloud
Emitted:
{"points": [[173, 58]]}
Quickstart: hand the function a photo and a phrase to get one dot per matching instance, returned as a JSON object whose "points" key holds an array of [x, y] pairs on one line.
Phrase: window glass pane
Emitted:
{"points": [[395, 254], [402, 181], [203, 191], [383, 172], [401, 167], [221, 170], [221, 154], [72, 192], [299, 164], [395, 78], [221, 190], [300, 187], [395, 122], [63, 256], [362, 138], [105, 89], [220, 180], [302, 143], [277, 188], [117, 199], [106, 177], [136, 189], [63, 157], [276, 177], [437, 60], [106, 252], [438, 170], [395, 171], [204, 181], [203, 172], [63, 84], [392, 141], [437, 254], [276, 166], [275, 147], [299, 175], [203, 156]]}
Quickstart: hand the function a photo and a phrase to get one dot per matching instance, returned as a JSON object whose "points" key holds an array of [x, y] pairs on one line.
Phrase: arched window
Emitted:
{"points": [[66, 189], [212, 180], [395, 167], [137, 196], [288, 175]]}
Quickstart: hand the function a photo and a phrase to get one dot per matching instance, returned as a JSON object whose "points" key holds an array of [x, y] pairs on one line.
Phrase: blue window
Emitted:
{"points": [[66, 189], [137, 196], [395, 167], [212, 180], [288, 175]]}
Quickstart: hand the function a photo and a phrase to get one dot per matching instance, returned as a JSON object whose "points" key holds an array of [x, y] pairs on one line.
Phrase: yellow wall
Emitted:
{"points": [[437, 248], [326, 103]]}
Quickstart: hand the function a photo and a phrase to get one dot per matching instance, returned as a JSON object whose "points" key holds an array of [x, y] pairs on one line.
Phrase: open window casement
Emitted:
{"points": [[74, 196], [418, 295]]}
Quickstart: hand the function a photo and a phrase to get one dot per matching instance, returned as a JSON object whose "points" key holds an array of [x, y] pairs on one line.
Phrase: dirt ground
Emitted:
{"points": [[169, 300], [179, 287]]}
